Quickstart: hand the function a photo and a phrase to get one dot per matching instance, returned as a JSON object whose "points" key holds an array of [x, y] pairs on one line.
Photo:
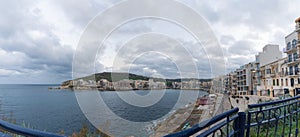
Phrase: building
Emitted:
{"points": [[230, 82], [246, 79], [269, 54], [156, 84], [292, 50], [270, 74], [273, 78], [217, 85]]}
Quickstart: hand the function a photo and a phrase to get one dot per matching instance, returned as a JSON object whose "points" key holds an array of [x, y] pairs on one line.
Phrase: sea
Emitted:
{"points": [[38, 107]]}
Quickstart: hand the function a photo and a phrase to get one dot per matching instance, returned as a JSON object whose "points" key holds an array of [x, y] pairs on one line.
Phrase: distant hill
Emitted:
{"points": [[122, 75], [115, 75]]}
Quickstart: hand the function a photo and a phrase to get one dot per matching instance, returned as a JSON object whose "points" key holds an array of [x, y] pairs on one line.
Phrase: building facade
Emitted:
{"points": [[292, 50]]}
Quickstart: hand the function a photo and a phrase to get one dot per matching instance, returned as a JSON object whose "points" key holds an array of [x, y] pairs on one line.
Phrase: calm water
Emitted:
{"points": [[55, 110]]}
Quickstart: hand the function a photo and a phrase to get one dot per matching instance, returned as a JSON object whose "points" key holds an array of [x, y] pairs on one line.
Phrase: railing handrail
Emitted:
{"points": [[25, 131], [271, 103], [198, 127]]}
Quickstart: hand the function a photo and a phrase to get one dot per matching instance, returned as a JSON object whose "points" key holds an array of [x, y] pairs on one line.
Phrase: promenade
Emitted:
{"points": [[192, 114]]}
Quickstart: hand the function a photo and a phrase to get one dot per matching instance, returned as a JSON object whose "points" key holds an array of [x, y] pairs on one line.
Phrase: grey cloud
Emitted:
{"points": [[256, 14], [227, 39], [28, 45], [23, 54], [242, 47], [152, 55], [80, 12]]}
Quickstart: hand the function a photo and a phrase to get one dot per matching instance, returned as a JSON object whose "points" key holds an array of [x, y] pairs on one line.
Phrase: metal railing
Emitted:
{"points": [[15, 129], [277, 118], [282, 115], [225, 124]]}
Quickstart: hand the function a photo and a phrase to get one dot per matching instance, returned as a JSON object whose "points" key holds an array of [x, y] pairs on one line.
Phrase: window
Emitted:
{"points": [[268, 71], [277, 82], [281, 82], [294, 43], [295, 56], [274, 82], [291, 70], [288, 47], [286, 82], [292, 82], [290, 58], [296, 69]]}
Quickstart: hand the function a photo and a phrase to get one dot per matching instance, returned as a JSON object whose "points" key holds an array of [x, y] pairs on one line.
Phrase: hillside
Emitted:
{"points": [[116, 76], [122, 75]]}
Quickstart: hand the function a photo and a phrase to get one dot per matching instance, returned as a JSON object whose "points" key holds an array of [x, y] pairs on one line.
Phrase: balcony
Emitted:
{"points": [[282, 74], [285, 50], [292, 61], [277, 87]]}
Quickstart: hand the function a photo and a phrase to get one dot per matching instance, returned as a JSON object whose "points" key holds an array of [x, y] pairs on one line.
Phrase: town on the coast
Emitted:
{"points": [[270, 77], [127, 81], [273, 72]]}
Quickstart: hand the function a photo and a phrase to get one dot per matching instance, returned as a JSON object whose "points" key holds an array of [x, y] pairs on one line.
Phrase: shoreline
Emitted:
{"points": [[112, 89]]}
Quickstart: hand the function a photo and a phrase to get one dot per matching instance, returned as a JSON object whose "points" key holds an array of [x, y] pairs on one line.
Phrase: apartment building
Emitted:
{"points": [[230, 82], [292, 50], [273, 78], [270, 74]]}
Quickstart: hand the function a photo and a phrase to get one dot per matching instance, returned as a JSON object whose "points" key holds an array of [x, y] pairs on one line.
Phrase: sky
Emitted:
{"points": [[39, 39]]}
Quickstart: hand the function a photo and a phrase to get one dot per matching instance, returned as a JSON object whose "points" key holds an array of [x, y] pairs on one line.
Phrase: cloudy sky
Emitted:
{"points": [[38, 39]]}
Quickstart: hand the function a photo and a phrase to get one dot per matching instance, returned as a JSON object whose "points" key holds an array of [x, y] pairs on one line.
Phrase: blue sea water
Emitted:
{"points": [[56, 110]]}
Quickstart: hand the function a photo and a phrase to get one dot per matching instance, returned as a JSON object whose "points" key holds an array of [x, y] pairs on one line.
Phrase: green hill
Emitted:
{"points": [[116, 76]]}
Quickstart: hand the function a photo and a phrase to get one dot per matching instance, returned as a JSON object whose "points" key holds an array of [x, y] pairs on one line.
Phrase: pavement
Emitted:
{"points": [[192, 115]]}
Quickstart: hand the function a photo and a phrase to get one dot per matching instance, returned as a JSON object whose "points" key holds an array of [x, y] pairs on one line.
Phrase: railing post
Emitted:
{"points": [[239, 124], [242, 123]]}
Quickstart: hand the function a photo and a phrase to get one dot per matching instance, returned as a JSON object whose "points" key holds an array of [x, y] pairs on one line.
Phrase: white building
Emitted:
{"points": [[273, 78], [292, 49], [269, 54]]}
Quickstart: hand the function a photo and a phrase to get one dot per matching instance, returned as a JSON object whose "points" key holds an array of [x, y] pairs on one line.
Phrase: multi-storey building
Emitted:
{"points": [[230, 82], [246, 79], [292, 50], [226, 83], [242, 82], [270, 74], [270, 53], [273, 78]]}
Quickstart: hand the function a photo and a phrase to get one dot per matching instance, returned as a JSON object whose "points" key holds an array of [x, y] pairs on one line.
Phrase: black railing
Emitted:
{"points": [[225, 124], [14, 129], [282, 115], [277, 118]]}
